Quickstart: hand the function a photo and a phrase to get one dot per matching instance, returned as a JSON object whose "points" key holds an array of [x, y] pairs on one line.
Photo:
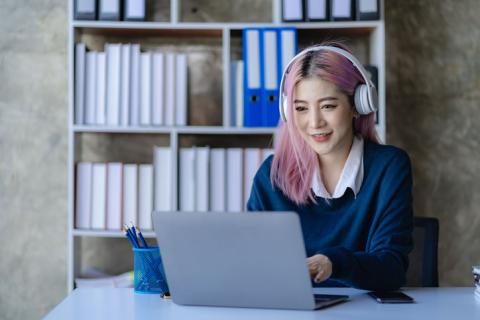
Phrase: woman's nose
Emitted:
{"points": [[316, 119]]}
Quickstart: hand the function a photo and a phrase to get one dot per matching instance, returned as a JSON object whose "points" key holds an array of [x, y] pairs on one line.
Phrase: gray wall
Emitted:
{"points": [[433, 83], [433, 93], [33, 157]]}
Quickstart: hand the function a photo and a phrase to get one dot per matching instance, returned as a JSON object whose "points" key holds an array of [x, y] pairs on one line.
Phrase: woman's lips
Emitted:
{"points": [[321, 137]]}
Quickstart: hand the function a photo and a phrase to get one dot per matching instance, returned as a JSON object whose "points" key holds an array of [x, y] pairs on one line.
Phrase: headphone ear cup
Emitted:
{"points": [[285, 107], [362, 103]]}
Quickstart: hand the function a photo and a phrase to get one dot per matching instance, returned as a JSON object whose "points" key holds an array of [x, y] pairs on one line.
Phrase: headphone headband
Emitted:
{"points": [[366, 99]]}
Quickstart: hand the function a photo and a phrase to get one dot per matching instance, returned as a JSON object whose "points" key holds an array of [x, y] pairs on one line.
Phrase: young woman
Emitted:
{"points": [[353, 195]]}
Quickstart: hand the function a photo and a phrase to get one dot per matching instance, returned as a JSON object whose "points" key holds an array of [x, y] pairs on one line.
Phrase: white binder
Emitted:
{"points": [[292, 10], [114, 56], [79, 83], [100, 106], [114, 195], [158, 89], [125, 85], [145, 88]]}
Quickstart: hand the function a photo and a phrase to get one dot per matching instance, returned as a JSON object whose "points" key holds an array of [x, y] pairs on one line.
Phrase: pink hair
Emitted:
{"points": [[295, 161]]}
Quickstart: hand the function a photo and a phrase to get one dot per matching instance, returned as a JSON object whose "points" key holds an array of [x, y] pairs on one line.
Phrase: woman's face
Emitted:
{"points": [[323, 115]]}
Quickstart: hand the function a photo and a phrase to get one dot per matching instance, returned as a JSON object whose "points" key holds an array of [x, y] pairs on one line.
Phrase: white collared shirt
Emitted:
{"points": [[351, 177]]}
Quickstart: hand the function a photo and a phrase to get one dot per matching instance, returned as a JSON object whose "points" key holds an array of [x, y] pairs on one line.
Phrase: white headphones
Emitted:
{"points": [[365, 98]]}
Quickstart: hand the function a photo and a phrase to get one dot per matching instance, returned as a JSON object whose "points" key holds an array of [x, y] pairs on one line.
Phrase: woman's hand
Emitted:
{"points": [[320, 267]]}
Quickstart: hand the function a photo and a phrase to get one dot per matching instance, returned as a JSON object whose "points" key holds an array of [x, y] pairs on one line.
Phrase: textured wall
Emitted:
{"points": [[33, 157], [433, 93], [433, 83]]}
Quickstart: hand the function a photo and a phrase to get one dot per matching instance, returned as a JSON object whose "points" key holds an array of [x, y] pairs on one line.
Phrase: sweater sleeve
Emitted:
{"points": [[258, 199], [382, 266]]}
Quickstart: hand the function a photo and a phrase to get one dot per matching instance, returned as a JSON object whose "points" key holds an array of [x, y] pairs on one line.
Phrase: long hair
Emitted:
{"points": [[295, 161]]}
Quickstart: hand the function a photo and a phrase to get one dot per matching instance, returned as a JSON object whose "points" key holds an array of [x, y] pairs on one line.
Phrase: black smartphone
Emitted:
{"points": [[391, 297]]}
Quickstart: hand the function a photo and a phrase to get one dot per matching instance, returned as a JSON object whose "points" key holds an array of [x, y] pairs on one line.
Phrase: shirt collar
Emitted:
{"points": [[351, 177]]}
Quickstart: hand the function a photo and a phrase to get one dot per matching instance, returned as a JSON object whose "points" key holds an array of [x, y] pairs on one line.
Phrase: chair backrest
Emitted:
{"points": [[422, 270]]}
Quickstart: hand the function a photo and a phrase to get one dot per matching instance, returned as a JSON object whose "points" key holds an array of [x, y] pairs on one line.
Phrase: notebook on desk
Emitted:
{"points": [[254, 260]]}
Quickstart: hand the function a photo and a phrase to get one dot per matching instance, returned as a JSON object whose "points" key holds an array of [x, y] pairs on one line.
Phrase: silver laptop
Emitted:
{"points": [[254, 259]]}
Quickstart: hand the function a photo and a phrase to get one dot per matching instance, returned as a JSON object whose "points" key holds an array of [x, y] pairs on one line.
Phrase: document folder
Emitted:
{"points": [[252, 116], [288, 47], [134, 10], [109, 10], [342, 10], [292, 10], [317, 10], [85, 10], [368, 9], [270, 79]]}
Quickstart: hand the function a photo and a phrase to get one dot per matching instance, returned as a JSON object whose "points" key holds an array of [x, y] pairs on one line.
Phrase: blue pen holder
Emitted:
{"points": [[148, 273]]}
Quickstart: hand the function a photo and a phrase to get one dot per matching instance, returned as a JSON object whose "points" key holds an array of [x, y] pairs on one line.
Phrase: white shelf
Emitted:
{"points": [[180, 130], [107, 233], [373, 31], [128, 25]]}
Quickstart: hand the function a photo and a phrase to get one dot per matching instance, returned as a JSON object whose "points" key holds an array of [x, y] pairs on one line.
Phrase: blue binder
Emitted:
{"points": [[252, 53], [287, 49], [270, 76]]}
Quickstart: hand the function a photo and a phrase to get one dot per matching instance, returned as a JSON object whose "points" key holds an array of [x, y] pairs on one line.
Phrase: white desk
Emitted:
{"points": [[431, 303]]}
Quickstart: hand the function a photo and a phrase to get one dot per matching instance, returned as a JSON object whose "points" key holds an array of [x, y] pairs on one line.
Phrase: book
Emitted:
{"points": [[134, 10], [84, 10], [114, 195], [100, 105], [91, 88], [234, 179], [125, 85], [130, 193], [83, 195], [158, 88], [114, 61], [341, 10], [236, 93], [181, 75], [99, 196], [79, 82], [187, 179], [292, 10], [109, 10], [202, 172], [145, 196], [163, 176], [367, 9], [170, 81], [218, 182], [135, 85], [145, 88]]}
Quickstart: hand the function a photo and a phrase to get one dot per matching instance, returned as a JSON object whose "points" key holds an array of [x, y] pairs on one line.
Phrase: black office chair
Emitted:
{"points": [[422, 270]]}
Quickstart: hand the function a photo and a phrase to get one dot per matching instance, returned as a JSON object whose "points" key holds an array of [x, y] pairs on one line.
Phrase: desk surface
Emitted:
{"points": [[431, 303]]}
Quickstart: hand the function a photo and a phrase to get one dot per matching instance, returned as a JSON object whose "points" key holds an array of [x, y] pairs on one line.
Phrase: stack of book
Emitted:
{"points": [[476, 276], [123, 86], [330, 10], [109, 195], [217, 179]]}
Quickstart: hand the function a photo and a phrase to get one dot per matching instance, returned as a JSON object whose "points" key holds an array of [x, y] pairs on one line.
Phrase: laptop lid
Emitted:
{"points": [[254, 259]]}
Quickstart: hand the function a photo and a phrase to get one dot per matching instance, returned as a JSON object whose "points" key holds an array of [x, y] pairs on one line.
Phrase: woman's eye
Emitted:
{"points": [[300, 108], [329, 106]]}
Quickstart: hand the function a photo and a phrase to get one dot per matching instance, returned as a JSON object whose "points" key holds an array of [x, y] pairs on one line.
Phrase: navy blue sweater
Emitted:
{"points": [[367, 239]]}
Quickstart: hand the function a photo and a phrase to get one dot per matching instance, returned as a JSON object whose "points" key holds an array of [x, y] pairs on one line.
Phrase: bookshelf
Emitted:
{"points": [[222, 43]]}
